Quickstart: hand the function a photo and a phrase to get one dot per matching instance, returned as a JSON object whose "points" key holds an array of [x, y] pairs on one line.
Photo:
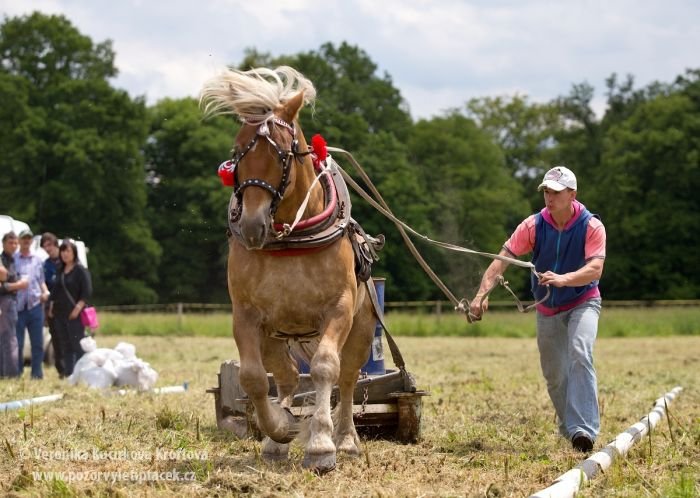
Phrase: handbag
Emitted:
{"points": [[88, 315]]}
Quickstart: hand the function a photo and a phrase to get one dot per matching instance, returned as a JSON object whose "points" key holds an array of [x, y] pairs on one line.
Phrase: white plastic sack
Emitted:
{"points": [[127, 350], [88, 344], [137, 373], [98, 377], [103, 367]]}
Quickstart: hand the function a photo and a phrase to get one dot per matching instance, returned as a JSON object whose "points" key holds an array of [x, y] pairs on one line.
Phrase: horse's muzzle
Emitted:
{"points": [[254, 228]]}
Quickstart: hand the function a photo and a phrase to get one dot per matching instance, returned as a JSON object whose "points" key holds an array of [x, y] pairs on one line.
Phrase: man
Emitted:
{"points": [[30, 304], [49, 243], [9, 352], [568, 246]]}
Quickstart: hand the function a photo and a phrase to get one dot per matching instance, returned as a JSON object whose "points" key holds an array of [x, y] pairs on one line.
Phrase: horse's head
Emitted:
{"points": [[267, 102], [264, 158]]}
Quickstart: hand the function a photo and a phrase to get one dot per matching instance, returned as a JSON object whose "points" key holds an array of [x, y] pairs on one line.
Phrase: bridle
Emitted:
{"points": [[285, 158]]}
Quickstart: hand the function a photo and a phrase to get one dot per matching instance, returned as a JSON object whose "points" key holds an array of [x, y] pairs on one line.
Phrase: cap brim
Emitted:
{"points": [[551, 184]]}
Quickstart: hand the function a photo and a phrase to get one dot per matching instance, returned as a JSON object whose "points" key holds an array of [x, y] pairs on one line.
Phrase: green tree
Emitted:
{"points": [[353, 101], [187, 205], [523, 130], [472, 194], [647, 194], [73, 157]]}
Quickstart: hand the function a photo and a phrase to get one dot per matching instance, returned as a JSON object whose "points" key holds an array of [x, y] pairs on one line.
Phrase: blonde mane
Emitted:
{"points": [[253, 95]]}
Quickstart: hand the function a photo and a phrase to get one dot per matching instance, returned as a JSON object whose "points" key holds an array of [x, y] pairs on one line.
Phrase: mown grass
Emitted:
{"points": [[488, 427], [615, 322]]}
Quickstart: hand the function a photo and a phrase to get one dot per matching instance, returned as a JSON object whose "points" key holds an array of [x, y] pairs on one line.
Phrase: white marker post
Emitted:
{"points": [[568, 484]]}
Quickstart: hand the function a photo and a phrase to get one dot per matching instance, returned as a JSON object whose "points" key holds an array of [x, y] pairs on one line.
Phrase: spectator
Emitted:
{"points": [[72, 289], [30, 308], [49, 243], [9, 352]]}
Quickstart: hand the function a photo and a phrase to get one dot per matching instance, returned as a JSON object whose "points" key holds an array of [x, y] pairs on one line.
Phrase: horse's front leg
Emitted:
{"points": [[319, 454], [273, 420], [278, 360]]}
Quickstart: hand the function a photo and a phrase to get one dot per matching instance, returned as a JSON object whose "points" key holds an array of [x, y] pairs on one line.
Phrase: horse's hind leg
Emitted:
{"points": [[277, 360], [354, 355]]}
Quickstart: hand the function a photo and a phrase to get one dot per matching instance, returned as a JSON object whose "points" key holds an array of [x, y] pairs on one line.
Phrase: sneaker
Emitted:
{"points": [[582, 442]]}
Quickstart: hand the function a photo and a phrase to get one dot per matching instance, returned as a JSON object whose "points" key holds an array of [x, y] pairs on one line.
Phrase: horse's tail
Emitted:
{"points": [[254, 94]]}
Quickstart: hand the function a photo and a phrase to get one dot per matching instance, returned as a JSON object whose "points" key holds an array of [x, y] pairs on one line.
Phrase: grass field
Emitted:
{"points": [[615, 322], [488, 428]]}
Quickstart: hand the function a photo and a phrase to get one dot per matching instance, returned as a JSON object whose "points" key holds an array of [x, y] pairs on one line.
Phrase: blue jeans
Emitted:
{"points": [[565, 341], [33, 320]]}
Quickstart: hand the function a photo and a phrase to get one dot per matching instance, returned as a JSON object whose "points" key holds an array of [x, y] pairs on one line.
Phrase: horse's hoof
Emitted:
{"points": [[237, 425], [348, 446], [291, 431], [275, 457], [319, 464], [274, 452]]}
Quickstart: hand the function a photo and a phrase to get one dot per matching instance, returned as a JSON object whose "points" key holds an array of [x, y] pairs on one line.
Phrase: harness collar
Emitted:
{"points": [[311, 234]]}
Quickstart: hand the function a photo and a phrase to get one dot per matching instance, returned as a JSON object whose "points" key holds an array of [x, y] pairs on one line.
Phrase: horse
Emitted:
{"points": [[289, 296]]}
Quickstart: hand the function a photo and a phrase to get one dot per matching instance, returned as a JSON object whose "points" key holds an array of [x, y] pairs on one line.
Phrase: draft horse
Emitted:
{"points": [[289, 296]]}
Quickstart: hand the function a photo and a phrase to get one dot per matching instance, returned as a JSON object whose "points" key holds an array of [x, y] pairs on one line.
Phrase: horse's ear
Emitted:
{"points": [[291, 108]]}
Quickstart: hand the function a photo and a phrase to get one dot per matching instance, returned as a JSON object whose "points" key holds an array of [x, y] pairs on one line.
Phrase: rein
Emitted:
{"points": [[281, 231], [461, 305]]}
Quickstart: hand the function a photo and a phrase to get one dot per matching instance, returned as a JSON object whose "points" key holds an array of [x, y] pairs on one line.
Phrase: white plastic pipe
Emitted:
{"points": [[180, 388], [568, 484], [16, 405], [172, 389]]}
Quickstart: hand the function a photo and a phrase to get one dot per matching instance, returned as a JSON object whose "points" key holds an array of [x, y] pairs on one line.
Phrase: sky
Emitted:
{"points": [[438, 53]]}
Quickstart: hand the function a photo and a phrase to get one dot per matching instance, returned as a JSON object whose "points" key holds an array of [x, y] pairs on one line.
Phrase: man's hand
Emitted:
{"points": [[555, 279], [477, 308]]}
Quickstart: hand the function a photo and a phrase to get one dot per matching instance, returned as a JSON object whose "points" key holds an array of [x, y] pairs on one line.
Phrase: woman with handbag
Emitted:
{"points": [[72, 290]]}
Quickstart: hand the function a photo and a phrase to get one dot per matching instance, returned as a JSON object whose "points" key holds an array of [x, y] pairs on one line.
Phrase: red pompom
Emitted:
{"points": [[226, 173], [319, 145]]}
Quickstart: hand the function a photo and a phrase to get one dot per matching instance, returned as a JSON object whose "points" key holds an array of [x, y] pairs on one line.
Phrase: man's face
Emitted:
{"points": [[24, 244], [51, 249], [10, 246], [558, 201]]}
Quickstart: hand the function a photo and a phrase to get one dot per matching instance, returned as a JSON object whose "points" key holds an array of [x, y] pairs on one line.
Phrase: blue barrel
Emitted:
{"points": [[375, 363], [303, 367]]}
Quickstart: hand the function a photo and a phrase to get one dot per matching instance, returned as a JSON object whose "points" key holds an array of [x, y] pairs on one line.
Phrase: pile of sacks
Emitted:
{"points": [[102, 367]]}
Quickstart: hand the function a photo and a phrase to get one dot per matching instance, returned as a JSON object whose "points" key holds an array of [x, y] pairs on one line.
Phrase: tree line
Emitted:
{"points": [[138, 182]]}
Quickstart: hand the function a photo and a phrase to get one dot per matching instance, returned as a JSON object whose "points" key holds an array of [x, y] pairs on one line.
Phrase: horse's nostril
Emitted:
{"points": [[254, 233]]}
